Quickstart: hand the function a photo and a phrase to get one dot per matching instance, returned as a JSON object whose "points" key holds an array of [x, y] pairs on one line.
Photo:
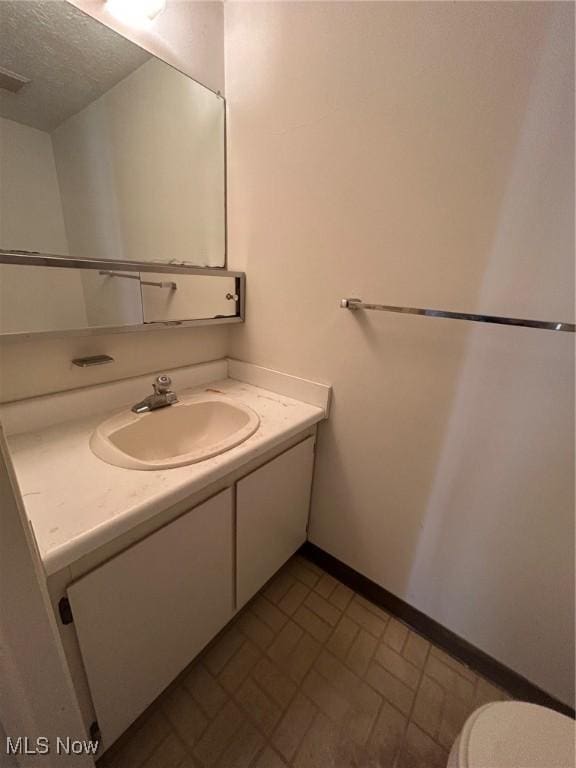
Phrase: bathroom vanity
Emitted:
{"points": [[144, 568], [154, 527]]}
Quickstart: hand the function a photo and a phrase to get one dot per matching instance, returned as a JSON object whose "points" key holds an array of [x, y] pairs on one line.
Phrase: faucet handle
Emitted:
{"points": [[162, 384]]}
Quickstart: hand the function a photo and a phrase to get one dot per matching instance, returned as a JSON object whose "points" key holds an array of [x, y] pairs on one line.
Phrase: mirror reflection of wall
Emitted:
{"points": [[47, 299], [37, 299], [107, 152], [188, 298]]}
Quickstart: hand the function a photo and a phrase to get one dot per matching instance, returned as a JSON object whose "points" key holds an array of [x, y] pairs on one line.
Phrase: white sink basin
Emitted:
{"points": [[191, 430]]}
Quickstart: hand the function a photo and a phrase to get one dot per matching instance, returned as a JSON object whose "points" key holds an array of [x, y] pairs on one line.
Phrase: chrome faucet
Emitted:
{"points": [[162, 396]]}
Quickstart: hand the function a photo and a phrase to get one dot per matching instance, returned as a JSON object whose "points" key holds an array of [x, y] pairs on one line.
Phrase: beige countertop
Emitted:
{"points": [[77, 503]]}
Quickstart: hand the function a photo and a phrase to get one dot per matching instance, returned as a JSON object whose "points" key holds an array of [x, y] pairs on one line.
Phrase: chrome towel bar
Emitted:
{"points": [[356, 304], [164, 284]]}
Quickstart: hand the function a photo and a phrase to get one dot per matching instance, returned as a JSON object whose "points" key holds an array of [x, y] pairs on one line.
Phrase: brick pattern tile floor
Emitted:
{"points": [[309, 675]]}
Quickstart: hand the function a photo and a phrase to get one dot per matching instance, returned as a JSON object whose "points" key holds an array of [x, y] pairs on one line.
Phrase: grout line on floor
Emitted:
{"points": [[279, 619]]}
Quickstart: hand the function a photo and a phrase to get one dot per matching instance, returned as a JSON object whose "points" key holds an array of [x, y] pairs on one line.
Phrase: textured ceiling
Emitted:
{"points": [[70, 58]]}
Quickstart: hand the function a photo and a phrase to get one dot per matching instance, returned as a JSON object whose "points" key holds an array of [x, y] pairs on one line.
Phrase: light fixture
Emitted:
{"points": [[137, 13]]}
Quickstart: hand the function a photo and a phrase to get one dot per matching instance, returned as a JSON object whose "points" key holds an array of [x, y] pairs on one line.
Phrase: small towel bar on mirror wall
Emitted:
{"points": [[356, 304], [165, 284]]}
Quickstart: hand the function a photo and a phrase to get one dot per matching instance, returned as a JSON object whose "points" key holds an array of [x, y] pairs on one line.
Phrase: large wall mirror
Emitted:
{"points": [[110, 160], [106, 152]]}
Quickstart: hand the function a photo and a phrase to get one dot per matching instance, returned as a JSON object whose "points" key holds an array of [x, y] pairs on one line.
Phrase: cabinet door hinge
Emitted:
{"points": [[65, 611]]}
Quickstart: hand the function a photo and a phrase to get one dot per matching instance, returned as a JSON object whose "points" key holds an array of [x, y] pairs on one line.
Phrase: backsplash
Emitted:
{"points": [[42, 366]]}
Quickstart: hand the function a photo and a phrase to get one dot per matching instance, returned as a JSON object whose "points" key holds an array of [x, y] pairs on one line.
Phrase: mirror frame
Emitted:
{"points": [[28, 259]]}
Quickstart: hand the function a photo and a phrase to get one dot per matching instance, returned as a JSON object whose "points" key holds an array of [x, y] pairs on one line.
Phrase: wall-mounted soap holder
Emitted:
{"points": [[86, 362]]}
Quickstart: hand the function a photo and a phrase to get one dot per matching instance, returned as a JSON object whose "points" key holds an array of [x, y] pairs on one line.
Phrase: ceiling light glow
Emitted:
{"points": [[137, 13]]}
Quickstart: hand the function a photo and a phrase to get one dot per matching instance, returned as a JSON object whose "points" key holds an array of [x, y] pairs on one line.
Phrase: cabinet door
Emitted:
{"points": [[272, 507], [143, 616]]}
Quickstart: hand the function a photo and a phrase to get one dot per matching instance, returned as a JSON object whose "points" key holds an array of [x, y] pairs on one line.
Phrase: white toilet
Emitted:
{"points": [[515, 734]]}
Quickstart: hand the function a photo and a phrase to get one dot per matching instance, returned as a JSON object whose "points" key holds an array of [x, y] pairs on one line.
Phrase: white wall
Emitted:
{"points": [[31, 219], [194, 298], [110, 301], [188, 35], [141, 171], [421, 154], [30, 204], [40, 299], [33, 367]]}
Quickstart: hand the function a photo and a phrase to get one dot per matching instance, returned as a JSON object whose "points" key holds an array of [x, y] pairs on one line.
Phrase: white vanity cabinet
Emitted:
{"points": [[272, 506], [142, 617]]}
